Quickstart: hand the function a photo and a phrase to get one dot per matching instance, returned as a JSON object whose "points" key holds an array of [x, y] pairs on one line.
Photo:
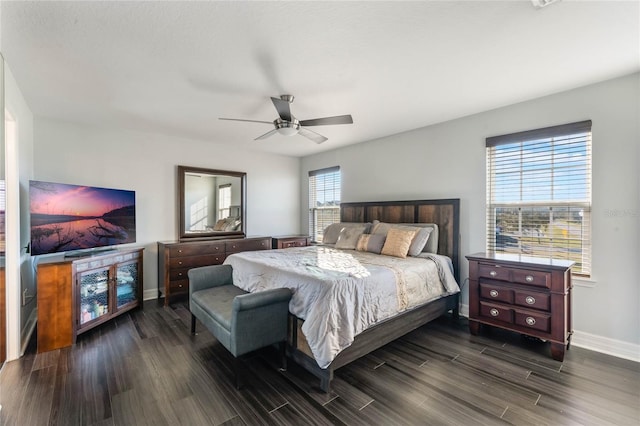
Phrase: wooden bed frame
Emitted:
{"points": [[445, 213]]}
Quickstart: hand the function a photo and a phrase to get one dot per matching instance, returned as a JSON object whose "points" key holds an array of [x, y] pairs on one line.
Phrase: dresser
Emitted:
{"points": [[523, 294], [287, 241], [176, 258]]}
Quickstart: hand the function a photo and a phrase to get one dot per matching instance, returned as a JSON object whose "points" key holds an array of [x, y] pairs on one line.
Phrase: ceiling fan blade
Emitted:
{"points": [[284, 111], [242, 119], [338, 119], [310, 134], [266, 135]]}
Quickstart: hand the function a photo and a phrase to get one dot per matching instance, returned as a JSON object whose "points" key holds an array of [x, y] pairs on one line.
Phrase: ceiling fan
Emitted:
{"points": [[286, 124]]}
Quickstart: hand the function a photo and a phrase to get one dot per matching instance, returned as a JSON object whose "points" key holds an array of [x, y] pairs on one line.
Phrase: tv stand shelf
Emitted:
{"points": [[81, 292]]}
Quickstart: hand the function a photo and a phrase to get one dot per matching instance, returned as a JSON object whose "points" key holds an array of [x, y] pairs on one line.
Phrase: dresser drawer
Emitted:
{"points": [[281, 243], [533, 299], [196, 249], [496, 312], [528, 277], [178, 286], [247, 245], [533, 320], [194, 261], [494, 272], [496, 292], [176, 274]]}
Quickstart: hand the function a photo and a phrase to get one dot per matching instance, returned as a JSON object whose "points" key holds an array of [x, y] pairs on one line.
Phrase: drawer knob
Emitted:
{"points": [[530, 320], [493, 273], [180, 285], [179, 274], [179, 262], [179, 251], [530, 300], [494, 312], [528, 278], [493, 293]]}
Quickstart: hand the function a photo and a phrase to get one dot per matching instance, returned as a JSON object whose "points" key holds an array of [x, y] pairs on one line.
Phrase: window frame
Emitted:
{"points": [[575, 207], [224, 194], [331, 183]]}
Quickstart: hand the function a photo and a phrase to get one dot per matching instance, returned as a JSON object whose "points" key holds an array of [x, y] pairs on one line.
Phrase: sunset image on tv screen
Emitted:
{"points": [[73, 217]]}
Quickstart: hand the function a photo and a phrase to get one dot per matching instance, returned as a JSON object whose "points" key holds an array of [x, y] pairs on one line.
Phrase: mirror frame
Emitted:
{"points": [[191, 236]]}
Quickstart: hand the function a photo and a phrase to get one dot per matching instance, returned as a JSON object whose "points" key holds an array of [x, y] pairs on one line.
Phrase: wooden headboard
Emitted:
{"points": [[445, 213]]}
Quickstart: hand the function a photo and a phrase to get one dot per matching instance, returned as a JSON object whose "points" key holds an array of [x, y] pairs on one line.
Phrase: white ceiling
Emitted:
{"points": [[175, 67]]}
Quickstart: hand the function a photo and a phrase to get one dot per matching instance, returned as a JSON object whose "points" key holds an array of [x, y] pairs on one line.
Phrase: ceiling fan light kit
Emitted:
{"points": [[287, 125]]}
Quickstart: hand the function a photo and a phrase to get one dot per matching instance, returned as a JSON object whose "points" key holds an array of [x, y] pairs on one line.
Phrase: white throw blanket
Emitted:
{"points": [[340, 293]]}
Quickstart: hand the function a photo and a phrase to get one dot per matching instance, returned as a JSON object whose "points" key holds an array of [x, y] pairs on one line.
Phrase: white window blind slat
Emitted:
{"points": [[539, 194]]}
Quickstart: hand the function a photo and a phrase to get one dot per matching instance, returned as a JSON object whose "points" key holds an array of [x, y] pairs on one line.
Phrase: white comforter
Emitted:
{"points": [[340, 293]]}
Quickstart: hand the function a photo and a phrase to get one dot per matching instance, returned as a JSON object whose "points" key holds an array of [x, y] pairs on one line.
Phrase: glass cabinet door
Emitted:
{"points": [[94, 295], [127, 283]]}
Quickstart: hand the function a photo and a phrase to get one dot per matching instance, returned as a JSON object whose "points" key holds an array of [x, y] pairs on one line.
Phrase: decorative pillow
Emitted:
{"points": [[422, 241], [371, 243], [332, 232], [219, 226], [348, 238], [398, 242], [419, 241], [231, 224]]}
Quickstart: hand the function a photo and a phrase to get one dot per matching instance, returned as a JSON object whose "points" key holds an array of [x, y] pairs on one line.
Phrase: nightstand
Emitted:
{"points": [[527, 295], [287, 241]]}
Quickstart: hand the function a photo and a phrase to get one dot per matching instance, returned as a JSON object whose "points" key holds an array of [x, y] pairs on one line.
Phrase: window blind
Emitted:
{"points": [[324, 200], [539, 194]]}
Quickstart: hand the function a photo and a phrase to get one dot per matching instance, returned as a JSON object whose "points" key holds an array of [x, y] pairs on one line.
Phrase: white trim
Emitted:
{"points": [[606, 345], [28, 330], [12, 243], [593, 342], [150, 294]]}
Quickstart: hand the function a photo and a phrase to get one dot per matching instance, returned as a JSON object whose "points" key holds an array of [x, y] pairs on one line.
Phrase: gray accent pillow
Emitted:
{"points": [[348, 237], [371, 243], [332, 232]]}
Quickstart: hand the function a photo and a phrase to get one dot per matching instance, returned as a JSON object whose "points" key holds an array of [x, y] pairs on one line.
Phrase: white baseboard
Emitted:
{"points": [[150, 294], [606, 345], [464, 310], [593, 342], [29, 327]]}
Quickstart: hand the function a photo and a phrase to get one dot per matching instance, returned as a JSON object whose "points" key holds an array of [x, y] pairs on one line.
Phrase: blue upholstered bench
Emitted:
{"points": [[242, 322]]}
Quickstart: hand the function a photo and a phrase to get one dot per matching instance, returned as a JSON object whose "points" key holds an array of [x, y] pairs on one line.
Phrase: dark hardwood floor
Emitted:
{"points": [[145, 369]]}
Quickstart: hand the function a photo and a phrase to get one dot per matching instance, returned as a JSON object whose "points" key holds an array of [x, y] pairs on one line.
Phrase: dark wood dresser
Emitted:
{"points": [[176, 258], [287, 241], [523, 294]]}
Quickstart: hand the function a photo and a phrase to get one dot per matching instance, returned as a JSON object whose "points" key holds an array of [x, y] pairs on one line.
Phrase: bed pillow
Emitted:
{"points": [[348, 237], [419, 241], [332, 232], [219, 226], [371, 243], [398, 242], [420, 238]]}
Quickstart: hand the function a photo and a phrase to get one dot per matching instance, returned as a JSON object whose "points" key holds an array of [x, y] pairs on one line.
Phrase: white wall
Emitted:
{"points": [[19, 169], [447, 160], [147, 163]]}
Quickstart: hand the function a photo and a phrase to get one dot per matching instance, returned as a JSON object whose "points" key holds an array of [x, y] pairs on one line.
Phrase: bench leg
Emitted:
{"points": [[193, 324], [237, 367], [283, 356]]}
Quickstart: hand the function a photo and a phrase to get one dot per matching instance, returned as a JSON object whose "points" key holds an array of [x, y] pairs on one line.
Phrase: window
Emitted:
{"points": [[224, 201], [539, 194], [324, 200]]}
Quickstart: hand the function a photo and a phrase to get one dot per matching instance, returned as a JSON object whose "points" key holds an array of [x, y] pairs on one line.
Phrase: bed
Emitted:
{"points": [[349, 302]]}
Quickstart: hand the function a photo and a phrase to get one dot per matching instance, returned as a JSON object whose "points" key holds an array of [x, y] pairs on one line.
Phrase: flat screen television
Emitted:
{"points": [[77, 218]]}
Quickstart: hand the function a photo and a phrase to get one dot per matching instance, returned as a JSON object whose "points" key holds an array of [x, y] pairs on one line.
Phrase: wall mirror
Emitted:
{"points": [[212, 203]]}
